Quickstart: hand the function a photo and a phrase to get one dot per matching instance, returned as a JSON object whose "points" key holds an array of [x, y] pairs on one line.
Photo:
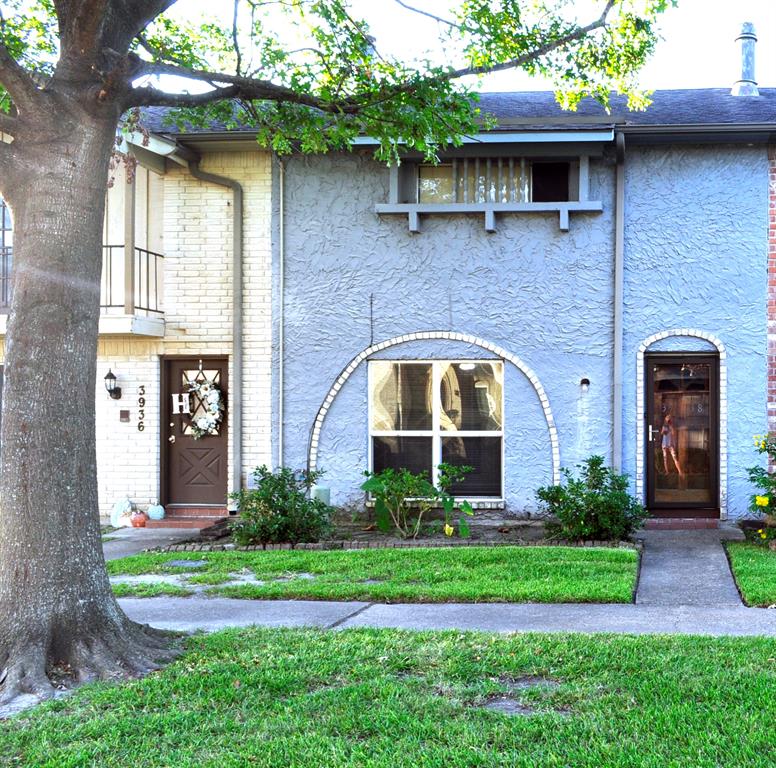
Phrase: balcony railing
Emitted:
{"points": [[131, 288], [124, 289]]}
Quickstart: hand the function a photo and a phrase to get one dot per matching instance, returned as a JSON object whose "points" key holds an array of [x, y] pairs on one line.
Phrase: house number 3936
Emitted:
{"points": [[141, 408]]}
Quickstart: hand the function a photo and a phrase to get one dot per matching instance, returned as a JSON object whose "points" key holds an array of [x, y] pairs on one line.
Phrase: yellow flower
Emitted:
{"points": [[761, 501], [762, 445], [759, 530], [449, 529], [763, 536]]}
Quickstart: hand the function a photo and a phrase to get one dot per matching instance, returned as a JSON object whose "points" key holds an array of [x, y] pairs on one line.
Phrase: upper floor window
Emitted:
{"points": [[426, 413], [495, 180]]}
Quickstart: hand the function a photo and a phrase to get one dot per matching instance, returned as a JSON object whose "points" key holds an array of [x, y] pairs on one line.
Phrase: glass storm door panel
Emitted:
{"points": [[682, 431]]}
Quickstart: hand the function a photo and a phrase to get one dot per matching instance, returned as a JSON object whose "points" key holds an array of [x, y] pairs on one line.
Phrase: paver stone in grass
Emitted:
{"points": [[185, 563]]}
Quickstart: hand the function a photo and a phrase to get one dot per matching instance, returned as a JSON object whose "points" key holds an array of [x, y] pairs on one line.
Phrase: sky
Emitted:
{"points": [[698, 49]]}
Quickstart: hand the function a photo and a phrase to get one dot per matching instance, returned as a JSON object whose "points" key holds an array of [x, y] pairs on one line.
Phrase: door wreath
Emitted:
{"points": [[209, 410]]}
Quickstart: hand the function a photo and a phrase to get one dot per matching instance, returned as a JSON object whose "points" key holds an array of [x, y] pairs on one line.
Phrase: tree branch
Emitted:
{"points": [[153, 97], [542, 50], [15, 79], [239, 87], [235, 41], [429, 15]]}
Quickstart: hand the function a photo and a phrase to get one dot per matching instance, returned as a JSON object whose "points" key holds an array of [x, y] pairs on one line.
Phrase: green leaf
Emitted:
{"points": [[382, 516]]}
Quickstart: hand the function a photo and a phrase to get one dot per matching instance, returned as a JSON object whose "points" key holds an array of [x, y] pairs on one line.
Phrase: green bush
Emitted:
{"points": [[402, 498], [278, 510], [596, 505]]}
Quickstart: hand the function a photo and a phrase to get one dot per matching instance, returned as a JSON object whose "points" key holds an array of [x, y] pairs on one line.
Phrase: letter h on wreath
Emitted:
{"points": [[181, 403]]}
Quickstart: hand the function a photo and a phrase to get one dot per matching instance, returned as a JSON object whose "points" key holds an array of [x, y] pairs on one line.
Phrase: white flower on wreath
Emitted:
{"points": [[213, 405]]}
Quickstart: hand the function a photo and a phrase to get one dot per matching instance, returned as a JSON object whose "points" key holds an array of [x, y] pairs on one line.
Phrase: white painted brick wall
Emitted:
{"points": [[197, 299], [198, 311]]}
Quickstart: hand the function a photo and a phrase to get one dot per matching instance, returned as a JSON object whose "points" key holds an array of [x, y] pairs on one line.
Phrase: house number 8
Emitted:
{"points": [[141, 408]]}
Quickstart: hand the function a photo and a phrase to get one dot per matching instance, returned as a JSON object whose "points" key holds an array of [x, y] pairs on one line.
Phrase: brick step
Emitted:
{"points": [[183, 522], [211, 513], [681, 523]]}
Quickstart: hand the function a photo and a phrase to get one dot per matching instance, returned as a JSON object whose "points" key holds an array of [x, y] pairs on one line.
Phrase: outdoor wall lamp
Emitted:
{"points": [[584, 385], [110, 385]]}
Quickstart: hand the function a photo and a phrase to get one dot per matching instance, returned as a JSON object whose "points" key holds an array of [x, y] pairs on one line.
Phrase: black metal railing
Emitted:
{"points": [[146, 277]]}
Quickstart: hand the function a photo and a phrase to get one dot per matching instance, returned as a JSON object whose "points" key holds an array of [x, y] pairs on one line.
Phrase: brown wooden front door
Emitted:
{"points": [[194, 470], [682, 435]]}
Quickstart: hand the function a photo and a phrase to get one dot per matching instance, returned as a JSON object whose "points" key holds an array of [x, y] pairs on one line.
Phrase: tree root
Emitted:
{"points": [[101, 653]]}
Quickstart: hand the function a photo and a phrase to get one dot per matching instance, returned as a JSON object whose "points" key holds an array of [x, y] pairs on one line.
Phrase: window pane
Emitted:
{"points": [[400, 396], [412, 453], [482, 453], [435, 184], [471, 397], [550, 182]]}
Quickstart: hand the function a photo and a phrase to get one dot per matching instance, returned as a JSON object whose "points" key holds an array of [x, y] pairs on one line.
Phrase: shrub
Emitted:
{"points": [[279, 510], [763, 502], [403, 497], [596, 505]]}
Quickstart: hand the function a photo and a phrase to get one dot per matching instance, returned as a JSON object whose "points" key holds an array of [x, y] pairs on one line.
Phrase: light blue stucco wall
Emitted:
{"points": [[696, 257], [542, 294]]}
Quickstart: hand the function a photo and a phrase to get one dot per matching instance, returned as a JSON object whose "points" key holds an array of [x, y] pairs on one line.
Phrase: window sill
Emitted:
{"points": [[476, 503], [415, 210]]}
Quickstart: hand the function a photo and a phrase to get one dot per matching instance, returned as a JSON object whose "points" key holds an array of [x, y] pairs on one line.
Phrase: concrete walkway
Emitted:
{"points": [[685, 587], [687, 568], [130, 541]]}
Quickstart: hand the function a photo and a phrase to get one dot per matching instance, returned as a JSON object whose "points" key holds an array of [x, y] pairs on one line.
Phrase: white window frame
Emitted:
{"points": [[436, 433]]}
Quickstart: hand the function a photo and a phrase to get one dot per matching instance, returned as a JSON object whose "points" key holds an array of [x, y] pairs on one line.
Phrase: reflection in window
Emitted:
{"points": [[425, 413], [497, 180]]}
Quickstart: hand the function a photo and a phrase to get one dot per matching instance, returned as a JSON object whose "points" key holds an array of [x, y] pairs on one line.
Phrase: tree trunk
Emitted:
{"points": [[59, 617]]}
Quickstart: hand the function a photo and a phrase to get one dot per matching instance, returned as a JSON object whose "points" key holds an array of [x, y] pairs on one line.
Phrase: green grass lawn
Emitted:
{"points": [[755, 571], [390, 699], [465, 574]]}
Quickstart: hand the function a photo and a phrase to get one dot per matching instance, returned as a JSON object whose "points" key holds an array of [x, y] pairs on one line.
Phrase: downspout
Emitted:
{"points": [[619, 252], [281, 300], [235, 388]]}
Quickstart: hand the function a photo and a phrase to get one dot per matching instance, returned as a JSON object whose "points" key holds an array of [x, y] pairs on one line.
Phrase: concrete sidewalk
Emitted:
{"points": [[210, 614]]}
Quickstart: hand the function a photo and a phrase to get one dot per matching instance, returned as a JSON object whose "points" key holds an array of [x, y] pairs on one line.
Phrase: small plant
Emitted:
{"points": [[403, 497], [763, 502], [596, 505], [279, 510]]}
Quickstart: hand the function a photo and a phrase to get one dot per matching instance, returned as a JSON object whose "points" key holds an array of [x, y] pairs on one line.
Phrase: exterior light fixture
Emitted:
{"points": [[110, 385], [467, 366], [584, 385]]}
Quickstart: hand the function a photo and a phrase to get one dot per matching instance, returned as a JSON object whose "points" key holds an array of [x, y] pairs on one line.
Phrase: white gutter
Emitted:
{"points": [[236, 385], [520, 137], [617, 342], [281, 301]]}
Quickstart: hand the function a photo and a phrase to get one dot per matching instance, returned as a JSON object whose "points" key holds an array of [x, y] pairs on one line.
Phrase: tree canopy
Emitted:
{"points": [[309, 75]]}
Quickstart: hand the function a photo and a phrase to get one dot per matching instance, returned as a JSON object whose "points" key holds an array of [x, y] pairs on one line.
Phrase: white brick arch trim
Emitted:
{"points": [[641, 409], [447, 336]]}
